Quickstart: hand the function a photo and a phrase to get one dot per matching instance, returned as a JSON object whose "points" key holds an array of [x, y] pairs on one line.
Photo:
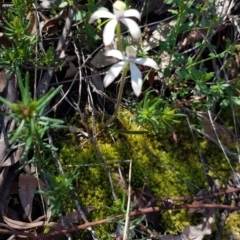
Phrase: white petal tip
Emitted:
{"points": [[137, 93], [107, 82]]}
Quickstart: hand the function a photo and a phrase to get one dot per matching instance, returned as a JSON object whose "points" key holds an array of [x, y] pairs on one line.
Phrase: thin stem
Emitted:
{"points": [[123, 78], [125, 233], [119, 37], [204, 60], [122, 82]]}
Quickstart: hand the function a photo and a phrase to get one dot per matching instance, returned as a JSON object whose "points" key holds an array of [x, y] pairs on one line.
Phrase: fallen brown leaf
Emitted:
{"points": [[27, 187]]}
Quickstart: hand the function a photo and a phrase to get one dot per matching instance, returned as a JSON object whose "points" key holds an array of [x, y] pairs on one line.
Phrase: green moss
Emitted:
{"points": [[232, 226], [168, 168], [176, 220]]}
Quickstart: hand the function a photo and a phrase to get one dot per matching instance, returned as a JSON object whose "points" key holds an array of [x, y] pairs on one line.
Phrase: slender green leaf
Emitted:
{"points": [[3, 100], [17, 132], [21, 86], [42, 102]]}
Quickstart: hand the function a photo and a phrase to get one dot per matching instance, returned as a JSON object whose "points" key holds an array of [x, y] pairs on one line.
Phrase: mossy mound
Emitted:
{"points": [[232, 226], [168, 168]]}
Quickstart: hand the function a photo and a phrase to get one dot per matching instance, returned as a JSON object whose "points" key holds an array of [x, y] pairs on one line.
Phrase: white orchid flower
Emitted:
{"points": [[136, 75], [119, 14]]}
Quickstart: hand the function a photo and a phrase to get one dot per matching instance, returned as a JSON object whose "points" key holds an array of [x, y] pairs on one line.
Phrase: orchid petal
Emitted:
{"points": [[108, 32], [133, 27], [136, 81], [146, 62], [132, 13], [118, 13], [115, 53], [101, 14], [119, 6], [131, 52], [113, 72]]}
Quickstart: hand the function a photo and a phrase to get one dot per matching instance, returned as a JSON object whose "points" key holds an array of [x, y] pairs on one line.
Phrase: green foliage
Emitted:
{"points": [[60, 185], [29, 116], [28, 112], [154, 114], [47, 58], [119, 208], [16, 29], [191, 75]]}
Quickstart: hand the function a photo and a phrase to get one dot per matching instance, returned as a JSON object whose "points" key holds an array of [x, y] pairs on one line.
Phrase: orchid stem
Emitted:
{"points": [[119, 97], [123, 78], [119, 37]]}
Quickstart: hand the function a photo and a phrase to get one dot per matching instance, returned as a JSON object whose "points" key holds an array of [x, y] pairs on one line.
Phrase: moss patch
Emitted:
{"points": [[168, 168]]}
